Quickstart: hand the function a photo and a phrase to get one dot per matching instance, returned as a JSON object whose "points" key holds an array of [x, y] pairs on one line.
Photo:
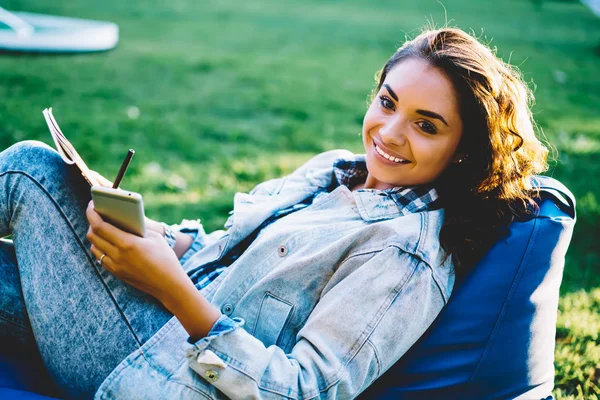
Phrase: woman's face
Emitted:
{"points": [[412, 129]]}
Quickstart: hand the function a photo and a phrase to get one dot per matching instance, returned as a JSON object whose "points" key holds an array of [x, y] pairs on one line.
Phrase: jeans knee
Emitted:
{"points": [[27, 146], [30, 152]]}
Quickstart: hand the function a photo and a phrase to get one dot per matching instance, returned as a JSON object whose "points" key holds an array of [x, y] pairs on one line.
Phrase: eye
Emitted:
{"points": [[427, 127], [386, 102]]}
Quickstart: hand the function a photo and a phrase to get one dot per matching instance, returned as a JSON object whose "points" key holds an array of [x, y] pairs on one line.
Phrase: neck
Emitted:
{"points": [[372, 183]]}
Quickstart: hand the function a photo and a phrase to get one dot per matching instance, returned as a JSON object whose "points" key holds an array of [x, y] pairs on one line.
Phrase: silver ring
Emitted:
{"points": [[99, 262]]}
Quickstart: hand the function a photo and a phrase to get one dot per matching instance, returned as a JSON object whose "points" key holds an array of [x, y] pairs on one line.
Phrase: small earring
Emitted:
{"points": [[460, 160]]}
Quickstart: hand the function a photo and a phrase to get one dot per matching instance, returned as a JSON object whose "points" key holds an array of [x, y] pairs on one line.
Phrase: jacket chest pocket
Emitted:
{"points": [[272, 317]]}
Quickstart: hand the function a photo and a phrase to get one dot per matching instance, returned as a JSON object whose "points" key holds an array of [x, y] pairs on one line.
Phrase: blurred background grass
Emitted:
{"points": [[217, 95]]}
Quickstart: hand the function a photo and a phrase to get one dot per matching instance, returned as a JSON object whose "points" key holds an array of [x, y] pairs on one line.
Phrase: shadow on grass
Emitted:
{"points": [[38, 54]]}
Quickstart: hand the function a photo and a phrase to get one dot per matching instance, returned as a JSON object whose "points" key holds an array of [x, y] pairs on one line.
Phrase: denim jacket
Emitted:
{"points": [[319, 307]]}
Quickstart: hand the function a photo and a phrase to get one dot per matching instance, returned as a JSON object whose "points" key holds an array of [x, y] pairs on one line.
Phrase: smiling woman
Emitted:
{"points": [[448, 113], [406, 142], [303, 293]]}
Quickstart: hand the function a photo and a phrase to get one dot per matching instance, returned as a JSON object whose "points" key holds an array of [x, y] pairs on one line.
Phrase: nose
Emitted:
{"points": [[392, 132]]}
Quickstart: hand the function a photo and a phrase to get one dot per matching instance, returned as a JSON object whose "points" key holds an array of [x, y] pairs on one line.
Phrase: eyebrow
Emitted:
{"points": [[425, 113], [389, 89], [431, 114]]}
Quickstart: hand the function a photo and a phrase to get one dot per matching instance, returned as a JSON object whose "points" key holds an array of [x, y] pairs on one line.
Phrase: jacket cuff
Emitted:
{"points": [[221, 327], [194, 229], [216, 367]]}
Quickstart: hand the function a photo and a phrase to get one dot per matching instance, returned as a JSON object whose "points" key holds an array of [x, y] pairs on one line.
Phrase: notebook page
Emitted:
{"points": [[66, 149]]}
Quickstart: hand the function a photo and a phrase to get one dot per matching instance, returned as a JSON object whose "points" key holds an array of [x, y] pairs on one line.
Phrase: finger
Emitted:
{"points": [[100, 179], [100, 243], [107, 231], [95, 252], [106, 260], [104, 182], [92, 216]]}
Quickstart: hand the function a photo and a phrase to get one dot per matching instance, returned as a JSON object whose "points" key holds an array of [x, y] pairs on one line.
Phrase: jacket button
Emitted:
{"points": [[211, 376], [282, 251], [227, 309]]}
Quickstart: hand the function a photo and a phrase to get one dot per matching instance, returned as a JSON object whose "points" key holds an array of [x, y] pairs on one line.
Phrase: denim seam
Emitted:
{"points": [[290, 312], [422, 233], [12, 320], [421, 255], [374, 249], [439, 286], [516, 280], [377, 358]]}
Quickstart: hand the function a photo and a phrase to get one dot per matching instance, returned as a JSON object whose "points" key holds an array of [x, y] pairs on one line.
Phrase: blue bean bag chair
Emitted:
{"points": [[22, 373], [494, 339]]}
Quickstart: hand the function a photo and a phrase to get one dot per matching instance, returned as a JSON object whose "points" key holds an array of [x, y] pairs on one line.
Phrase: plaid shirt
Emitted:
{"points": [[348, 173], [409, 200]]}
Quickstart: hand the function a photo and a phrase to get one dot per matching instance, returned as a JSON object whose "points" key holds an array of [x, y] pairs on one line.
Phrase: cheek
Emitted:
{"points": [[437, 156], [370, 117], [366, 127], [446, 154]]}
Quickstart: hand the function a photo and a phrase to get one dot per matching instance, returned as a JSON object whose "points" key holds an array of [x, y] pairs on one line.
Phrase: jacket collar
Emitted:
{"points": [[382, 204]]}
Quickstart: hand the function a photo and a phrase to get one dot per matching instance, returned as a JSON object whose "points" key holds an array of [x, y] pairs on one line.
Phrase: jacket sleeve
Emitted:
{"points": [[200, 238], [195, 229], [322, 161], [363, 323], [267, 188]]}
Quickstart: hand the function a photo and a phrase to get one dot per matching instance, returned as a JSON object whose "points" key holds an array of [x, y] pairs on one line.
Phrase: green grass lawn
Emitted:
{"points": [[217, 95]]}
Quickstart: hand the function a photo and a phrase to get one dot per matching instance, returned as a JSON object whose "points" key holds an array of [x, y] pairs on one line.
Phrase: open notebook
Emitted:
{"points": [[67, 151]]}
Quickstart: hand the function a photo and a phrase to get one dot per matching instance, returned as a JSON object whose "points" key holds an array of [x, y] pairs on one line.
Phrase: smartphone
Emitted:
{"points": [[121, 208]]}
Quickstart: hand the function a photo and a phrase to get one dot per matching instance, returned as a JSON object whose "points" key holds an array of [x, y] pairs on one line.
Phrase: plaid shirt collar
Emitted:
{"points": [[350, 172]]}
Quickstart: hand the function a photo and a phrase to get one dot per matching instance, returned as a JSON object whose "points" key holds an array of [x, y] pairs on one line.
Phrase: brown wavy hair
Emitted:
{"points": [[482, 194]]}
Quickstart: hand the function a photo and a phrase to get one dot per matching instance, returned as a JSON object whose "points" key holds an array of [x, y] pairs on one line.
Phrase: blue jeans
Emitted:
{"points": [[83, 319]]}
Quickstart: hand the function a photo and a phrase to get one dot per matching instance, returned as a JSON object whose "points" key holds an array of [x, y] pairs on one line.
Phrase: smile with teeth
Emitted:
{"points": [[391, 158]]}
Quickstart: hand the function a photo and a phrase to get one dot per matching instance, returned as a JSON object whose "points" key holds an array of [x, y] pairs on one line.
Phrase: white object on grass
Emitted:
{"points": [[23, 31], [593, 5]]}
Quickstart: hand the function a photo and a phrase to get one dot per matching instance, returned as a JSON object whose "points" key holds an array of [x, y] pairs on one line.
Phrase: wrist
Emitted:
{"points": [[154, 226], [193, 311], [169, 235], [184, 242], [174, 294]]}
